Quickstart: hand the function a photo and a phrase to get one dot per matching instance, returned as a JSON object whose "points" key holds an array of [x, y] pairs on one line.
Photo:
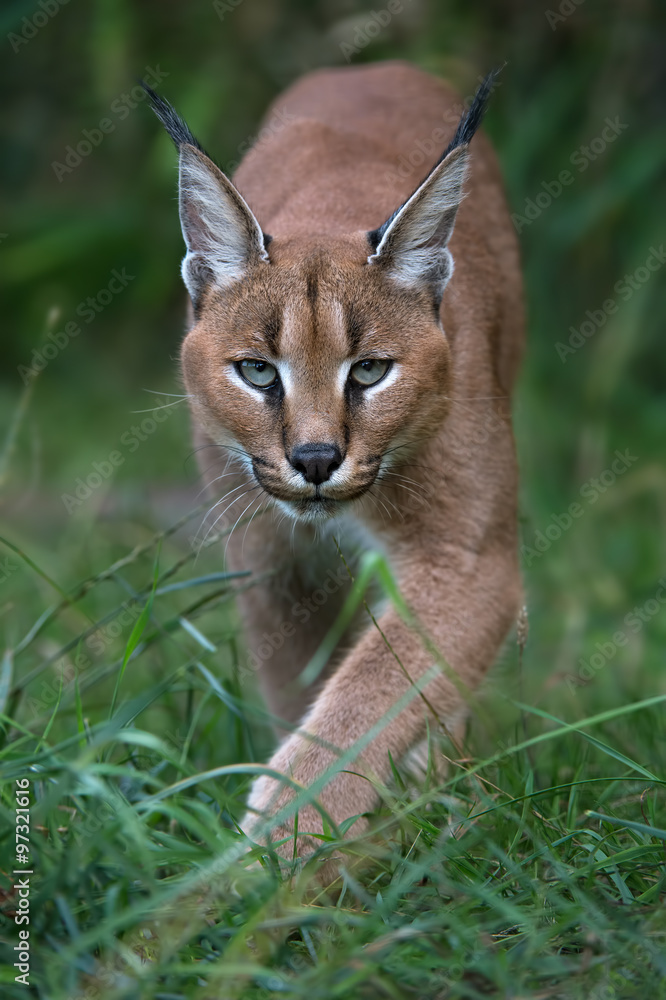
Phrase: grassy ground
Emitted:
{"points": [[538, 868]]}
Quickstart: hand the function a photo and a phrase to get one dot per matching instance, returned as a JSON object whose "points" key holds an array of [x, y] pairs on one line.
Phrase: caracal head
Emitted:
{"points": [[316, 360]]}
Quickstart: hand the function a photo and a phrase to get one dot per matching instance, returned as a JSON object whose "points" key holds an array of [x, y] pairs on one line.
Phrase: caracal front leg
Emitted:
{"points": [[466, 604], [300, 587]]}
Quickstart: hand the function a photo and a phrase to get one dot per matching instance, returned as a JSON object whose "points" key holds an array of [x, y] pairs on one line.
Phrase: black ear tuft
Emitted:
{"points": [[173, 123], [464, 134], [472, 118]]}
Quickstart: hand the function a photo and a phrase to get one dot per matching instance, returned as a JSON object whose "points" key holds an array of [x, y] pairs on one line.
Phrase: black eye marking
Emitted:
{"points": [[354, 394], [274, 396]]}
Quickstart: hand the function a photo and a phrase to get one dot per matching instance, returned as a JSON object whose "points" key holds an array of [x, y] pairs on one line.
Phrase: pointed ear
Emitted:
{"points": [[413, 247], [222, 236]]}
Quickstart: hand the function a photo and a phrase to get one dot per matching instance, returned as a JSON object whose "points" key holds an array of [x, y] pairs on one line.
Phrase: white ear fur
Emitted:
{"points": [[413, 247], [222, 236]]}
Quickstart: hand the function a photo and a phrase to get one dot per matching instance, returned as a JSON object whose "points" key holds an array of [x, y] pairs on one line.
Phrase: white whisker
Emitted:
{"points": [[221, 501], [257, 511], [216, 480], [396, 475], [381, 501], [395, 507], [176, 395], [238, 519], [164, 406], [408, 489], [369, 494]]}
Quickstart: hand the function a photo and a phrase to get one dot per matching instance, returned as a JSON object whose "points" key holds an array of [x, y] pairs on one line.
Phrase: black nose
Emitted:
{"points": [[316, 462]]}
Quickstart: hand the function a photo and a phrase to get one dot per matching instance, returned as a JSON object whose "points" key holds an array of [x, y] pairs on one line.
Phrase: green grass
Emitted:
{"points": [[535, 869]]}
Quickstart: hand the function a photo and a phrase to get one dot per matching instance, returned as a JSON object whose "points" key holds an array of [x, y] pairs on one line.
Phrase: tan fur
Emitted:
{"points": [[449, 526]]}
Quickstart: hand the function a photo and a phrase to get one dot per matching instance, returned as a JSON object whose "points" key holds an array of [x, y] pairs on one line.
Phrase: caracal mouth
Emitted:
{"points": [[315, 508], [319, 506]]}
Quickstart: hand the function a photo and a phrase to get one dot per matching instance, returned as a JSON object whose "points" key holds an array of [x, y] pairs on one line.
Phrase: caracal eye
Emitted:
{"points": [[370, 371], [258, 373]]}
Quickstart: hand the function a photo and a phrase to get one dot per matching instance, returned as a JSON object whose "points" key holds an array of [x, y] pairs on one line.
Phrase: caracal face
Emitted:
{"points": [[318, 369]]}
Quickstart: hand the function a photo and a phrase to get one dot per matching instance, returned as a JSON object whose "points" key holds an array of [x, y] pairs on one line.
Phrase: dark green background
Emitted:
{"points": [[565, 74]]}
